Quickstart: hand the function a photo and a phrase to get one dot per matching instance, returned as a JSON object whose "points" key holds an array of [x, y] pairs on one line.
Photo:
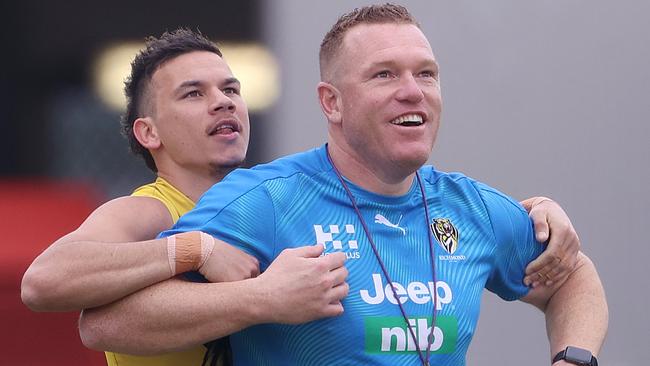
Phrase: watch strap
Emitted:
{"points": [[562, 356]]}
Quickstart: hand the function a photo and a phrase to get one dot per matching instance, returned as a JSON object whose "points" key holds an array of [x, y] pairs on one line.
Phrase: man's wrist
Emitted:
{"points": [[575, 356], [561, 363], [257, 303], [188, 251]]}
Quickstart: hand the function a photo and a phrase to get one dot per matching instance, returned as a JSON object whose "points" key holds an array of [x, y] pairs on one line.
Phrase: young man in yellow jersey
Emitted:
{"points": [[187, 119]]}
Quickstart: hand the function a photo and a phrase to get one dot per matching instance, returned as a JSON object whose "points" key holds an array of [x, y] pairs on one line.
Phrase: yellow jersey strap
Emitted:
{"points": [[176, 202]]}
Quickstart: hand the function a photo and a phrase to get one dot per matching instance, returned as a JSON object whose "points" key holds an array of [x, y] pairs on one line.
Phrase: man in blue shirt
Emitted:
{"points": [[420, 244]]}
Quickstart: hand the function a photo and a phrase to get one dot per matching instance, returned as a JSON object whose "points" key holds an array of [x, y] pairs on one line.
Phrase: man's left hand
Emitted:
{"points": [[561, 255]]}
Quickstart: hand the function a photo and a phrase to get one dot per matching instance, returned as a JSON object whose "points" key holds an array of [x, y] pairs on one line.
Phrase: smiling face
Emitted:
{"points": [[199, 117], [388, 98]]}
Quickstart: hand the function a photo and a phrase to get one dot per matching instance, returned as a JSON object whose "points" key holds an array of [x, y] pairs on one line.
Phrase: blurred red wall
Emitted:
{"points": [[32, 215]]}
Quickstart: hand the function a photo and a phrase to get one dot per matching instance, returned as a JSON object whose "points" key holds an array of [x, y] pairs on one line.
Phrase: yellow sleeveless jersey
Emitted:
{"points": [[177, 204]]}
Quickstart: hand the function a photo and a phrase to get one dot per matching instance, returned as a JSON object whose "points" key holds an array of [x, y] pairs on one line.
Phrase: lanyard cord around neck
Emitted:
{"points": [[423, 358]]}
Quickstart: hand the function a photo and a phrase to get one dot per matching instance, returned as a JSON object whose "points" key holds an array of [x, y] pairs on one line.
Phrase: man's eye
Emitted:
{"points": [[231, 91], [428, 74], [383, 74], [193, 94]]}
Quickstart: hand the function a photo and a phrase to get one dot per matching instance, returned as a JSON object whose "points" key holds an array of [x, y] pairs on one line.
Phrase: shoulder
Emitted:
{"points": [[139, 210], [126, 219], [280, 174], [500, 213], [304, 163], [456, 183]]}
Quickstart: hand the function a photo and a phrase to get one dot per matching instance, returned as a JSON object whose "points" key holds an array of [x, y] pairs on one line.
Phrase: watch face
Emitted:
{"points": [[578, 356]]}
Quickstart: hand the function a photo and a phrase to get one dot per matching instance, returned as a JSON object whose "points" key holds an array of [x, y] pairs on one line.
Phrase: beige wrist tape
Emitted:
{"points": [[188, 251]]}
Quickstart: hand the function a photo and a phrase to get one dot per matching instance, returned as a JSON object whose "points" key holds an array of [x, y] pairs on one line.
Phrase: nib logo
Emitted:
{"points": [[391, 335]]}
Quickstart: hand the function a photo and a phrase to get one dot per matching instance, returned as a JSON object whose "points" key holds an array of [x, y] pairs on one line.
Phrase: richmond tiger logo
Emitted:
{"points": [[446, 234]]}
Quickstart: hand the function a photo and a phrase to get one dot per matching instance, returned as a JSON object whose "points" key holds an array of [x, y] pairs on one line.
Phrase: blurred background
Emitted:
{"points": [[540, 98]]}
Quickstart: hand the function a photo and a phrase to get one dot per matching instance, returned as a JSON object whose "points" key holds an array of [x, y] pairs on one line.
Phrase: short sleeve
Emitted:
{"points": [[245, 219], [515, 244]]}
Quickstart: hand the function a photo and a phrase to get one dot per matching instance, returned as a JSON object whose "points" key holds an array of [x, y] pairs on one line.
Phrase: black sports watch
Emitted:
{"points": [[576, 356]]}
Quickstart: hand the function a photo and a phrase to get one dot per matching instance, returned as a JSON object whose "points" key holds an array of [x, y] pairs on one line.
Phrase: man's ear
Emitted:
{"points": [[146, 133], [330, 101]]}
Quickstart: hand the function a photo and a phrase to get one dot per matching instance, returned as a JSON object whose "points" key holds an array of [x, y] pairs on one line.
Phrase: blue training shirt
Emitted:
{"points": [[482, 239]]}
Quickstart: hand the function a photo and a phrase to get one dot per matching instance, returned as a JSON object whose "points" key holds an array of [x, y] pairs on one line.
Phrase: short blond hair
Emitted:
{"points": [[371, 14]]}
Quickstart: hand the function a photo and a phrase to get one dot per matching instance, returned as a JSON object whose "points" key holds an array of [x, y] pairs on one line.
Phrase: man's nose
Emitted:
{"points": [[409, 89], [220, 101]]}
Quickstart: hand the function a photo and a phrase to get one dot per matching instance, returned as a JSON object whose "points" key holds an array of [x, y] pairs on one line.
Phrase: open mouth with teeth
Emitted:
{"points": [[224, 129], [408, 120]]}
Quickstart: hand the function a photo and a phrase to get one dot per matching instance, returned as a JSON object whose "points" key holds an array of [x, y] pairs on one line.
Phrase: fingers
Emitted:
{"points": [[558, 268], [562, 249], [335, 260], [242, 264], [540, 262], [339, 292], [547, 275], [549, 270], [332, 260], [247, 262], [540, 224], [555, 274], [567, 262], [308, 251], [339, 275], [334, 309], [310, 281], [559, 258], [543, 270], [255, 268], [227, 263], [542, 212], [553, 265]]}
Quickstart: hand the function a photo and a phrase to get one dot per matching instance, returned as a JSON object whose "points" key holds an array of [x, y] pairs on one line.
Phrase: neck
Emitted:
{"points": [[191, 183], [367, 175]]}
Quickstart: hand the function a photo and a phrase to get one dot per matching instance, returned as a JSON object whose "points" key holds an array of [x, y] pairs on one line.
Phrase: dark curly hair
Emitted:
{"points": [[146, 62]]}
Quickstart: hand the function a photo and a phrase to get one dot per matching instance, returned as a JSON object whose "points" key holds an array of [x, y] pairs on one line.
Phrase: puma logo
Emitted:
{"points": [[380, 219]]}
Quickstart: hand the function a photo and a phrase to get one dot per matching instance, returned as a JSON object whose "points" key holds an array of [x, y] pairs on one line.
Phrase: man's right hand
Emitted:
{"points": [[227, 263], [301, 285]]}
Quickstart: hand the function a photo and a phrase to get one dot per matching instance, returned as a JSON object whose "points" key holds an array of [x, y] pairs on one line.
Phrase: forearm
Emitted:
{"points": [[171, 316], [74, 275], [577, 314], [299, 286]]}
